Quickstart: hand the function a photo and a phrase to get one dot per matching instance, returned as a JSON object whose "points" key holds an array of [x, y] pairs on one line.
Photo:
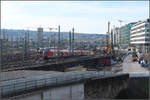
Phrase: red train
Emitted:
{"points": [[63, 53]]}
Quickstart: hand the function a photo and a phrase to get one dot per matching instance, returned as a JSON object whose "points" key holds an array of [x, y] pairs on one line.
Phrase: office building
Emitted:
{"points": [[115, 36], [125, 35], [40, 36], [140, 36]]}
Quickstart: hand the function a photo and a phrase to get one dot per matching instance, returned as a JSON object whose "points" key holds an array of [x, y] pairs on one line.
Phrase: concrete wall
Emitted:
{"points": [[138, 88], [105, 88], [119, 87], [70, 92]]}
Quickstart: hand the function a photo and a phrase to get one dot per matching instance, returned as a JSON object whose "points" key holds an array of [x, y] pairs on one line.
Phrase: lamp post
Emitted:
{"points": [[53, 38], [58, 47], [73, 41], [70, 46], [50, 38]]}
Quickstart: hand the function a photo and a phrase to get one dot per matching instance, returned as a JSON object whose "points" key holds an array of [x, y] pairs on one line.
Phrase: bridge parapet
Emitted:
{"points": [[22, 85]]}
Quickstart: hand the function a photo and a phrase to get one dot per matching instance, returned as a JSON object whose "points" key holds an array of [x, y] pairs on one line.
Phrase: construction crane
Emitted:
{"points": [[108, 40]]}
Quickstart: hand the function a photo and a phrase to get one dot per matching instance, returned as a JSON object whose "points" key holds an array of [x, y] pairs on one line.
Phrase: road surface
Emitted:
{"points": [[134, 68]]}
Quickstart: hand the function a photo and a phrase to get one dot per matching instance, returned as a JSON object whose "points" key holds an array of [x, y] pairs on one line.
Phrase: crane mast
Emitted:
{"points": [[108, 40]]}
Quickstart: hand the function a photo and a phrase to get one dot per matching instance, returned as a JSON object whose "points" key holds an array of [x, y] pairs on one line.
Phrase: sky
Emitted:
{"points": [[84, 16]]}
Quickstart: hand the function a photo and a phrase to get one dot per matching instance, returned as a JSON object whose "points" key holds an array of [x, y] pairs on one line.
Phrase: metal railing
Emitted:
{"points": [[13, 87]]}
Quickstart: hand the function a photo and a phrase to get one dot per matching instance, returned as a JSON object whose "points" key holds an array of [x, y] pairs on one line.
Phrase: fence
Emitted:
{"points": [[14, 87]]}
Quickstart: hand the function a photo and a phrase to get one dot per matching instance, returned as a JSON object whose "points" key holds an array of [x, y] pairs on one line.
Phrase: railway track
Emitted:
{"points": [[29, 64]]}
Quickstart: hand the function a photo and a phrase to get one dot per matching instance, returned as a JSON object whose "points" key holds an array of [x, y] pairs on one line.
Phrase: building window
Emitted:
{"points": [[138, 40], [146, 25], [143, 35], [147, 39], [147, 30]]}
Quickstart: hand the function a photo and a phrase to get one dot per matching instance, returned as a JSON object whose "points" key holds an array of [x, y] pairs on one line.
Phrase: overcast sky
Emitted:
{"points": [[84, 16]]}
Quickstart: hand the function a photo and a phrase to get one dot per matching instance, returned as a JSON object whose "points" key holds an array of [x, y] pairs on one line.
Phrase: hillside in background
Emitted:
{"points": [[65, 35]]}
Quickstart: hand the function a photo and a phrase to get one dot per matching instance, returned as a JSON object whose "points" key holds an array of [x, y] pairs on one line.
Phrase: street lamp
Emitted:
{"points": [[58, 47]]}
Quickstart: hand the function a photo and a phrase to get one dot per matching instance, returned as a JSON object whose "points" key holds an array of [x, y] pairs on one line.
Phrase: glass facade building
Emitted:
{"points": [[125, 34]]}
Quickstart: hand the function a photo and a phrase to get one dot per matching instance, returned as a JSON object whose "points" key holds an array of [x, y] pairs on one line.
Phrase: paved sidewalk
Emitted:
{"points": [[133, 68]]}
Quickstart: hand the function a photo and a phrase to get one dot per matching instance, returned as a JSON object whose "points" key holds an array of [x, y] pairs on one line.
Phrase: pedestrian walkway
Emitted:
{"points": [[133, 68]]}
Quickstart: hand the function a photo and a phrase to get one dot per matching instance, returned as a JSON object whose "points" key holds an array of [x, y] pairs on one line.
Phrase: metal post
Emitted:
{"points": [[17, 41], [54, 44], [22, 50], [28, 42], [73, 41], [70, 47], [61, 41], [82, 46], [7, 49], [58, 47], [50, 38], [25, 46]]}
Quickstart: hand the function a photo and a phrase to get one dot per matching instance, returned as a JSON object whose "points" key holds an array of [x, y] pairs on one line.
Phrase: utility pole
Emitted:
{"points": [[70, 46], [6, 47], [54, 44], [17, 41], [12, 42], [58, 47], [26, 45], [73, 41], [23, 51], [50, 41], [28, 41], [61, 41], [50, 37]]}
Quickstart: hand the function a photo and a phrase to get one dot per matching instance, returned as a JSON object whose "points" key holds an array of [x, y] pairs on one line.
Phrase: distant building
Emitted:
{"points": [[115, 36], [125, 35], [111, 38], [40, 36], [140, 35]]}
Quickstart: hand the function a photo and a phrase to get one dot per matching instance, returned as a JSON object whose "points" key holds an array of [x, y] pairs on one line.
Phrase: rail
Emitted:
{"points": [[28, 64]]}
